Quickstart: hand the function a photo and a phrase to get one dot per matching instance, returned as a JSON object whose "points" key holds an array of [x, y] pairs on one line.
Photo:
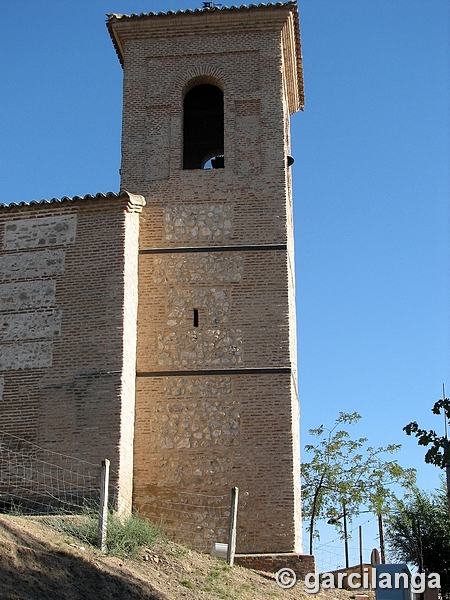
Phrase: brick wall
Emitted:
{"points": [[64, 290]]}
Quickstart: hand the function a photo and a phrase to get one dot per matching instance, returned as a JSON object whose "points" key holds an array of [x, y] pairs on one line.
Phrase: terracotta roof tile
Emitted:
{"points": [[64, 199]]}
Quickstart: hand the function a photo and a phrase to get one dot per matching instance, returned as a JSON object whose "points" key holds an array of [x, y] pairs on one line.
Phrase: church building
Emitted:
{"points": [[155, 326]]}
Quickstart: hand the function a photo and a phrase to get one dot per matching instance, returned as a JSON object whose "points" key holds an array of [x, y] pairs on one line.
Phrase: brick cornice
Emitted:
{"points": [[135, 201]]}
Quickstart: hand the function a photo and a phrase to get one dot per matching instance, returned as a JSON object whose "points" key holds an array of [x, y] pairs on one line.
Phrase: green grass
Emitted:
{"points": [[124, 537], [217, 581], [129, 537]]}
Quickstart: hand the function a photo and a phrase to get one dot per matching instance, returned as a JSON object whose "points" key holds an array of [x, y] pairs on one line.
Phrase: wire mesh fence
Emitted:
{"points": [[65, 492], [62, 489], [39, 481]]}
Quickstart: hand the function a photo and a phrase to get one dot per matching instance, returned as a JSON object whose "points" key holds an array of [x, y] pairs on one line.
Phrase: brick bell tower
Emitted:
{"points": [[207, 99]]}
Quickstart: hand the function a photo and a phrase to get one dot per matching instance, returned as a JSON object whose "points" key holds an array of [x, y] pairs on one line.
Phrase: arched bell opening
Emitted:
{"points": [[203, 122]]}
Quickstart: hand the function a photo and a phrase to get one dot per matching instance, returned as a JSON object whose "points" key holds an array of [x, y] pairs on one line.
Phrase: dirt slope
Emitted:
{"points": [[37, 563]]}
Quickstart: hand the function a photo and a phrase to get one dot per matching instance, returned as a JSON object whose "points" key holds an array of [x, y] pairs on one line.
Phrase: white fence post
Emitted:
{"points": [[233, 520], [103, 509]]}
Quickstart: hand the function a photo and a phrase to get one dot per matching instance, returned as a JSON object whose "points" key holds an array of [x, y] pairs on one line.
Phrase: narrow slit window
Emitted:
{"points": [[203, 123], [195, 317]]}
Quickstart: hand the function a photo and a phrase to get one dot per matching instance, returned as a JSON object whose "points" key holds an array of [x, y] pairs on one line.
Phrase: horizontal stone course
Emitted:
{"points": [[40, 232], [27, 295], [25, 355], [30, 325], [32, 265]]}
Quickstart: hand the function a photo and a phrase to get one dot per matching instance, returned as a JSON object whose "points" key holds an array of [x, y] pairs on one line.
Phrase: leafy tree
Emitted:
{"points": [[418, 532], [439, 452], [345, 474]]}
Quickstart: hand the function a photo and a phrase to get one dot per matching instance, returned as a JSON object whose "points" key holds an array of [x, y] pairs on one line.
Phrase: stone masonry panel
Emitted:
{"points": [[26, 355], [32, 325], [208, 348], [206, 267], [31, 265], [264, 433], [166, 313], [26, 295], [214, 306], [205, 222], [200, 387], [201, 424], [36, 233], [187, 470]]}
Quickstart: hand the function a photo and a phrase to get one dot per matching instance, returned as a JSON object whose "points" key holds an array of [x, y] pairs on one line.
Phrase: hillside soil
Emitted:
{"points": [[38, 563]]}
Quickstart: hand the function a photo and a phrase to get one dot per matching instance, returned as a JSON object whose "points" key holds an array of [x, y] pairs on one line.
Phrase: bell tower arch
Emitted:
{"points": [[216, 400], [202, 126]]}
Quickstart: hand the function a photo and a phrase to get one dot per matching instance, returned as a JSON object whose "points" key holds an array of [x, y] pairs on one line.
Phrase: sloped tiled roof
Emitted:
{"points": [[62, 200], [65, 199], [190, 11]]}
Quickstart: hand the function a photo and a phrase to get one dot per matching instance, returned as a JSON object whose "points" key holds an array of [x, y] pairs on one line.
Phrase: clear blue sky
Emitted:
{"points": [[371, 184]]}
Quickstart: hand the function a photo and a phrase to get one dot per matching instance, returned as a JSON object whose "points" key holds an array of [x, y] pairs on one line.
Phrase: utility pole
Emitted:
{"points": [[381, 533], [345, 535], [333, 521], [446, 450]]}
